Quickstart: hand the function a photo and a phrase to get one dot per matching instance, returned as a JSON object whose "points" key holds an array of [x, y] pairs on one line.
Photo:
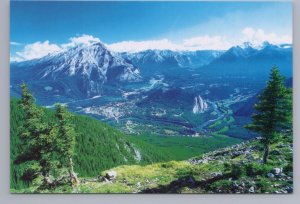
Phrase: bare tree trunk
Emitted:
{"points": [[73, 176], [266, 153]]}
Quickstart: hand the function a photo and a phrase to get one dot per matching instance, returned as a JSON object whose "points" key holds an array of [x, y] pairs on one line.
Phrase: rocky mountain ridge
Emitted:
{"points": [[81, 70]]}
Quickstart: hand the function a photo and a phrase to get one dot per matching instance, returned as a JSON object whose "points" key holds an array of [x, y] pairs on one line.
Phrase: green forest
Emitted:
{"points": [[95, 150]]}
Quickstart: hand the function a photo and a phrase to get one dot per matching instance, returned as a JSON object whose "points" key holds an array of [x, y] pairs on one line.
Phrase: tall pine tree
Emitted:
{"points": [[66, 138], [273, 111], [36, 142]]}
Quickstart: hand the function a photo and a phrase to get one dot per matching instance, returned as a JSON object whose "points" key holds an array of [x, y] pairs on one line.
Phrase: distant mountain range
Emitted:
{"points": [[82, 71], [241, 59], [155, 59], [247, 60]]}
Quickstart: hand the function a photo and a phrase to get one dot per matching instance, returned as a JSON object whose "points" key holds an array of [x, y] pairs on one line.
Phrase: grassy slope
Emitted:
{"points": [[221, 171], [238, 173]]}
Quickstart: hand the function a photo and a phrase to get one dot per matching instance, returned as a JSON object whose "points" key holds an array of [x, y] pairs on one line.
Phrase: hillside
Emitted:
{"points": [[98, 146], [235, 169]]}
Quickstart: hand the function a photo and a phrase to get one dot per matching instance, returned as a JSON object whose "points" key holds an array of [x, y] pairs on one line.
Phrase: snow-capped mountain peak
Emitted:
{"points": [[85, 67], [246, 45]]}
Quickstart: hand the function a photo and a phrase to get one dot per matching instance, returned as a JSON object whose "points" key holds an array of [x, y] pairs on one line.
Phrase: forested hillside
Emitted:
{"points": [[235, 169], [98, 146]]}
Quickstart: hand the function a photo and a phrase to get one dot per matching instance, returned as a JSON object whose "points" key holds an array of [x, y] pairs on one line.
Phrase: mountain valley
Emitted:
{"points": [[156, 92]]}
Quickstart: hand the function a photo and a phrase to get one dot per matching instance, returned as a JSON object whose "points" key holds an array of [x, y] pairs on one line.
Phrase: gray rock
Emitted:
{"points": [[251, 189], [277, 192], [270, 175], [216, 174], [277, 171], [111, 175]]}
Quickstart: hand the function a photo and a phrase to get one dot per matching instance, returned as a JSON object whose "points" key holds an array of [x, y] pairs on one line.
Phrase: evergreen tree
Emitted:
{"points": [[36, 143], [66, 141], [273, 111]]}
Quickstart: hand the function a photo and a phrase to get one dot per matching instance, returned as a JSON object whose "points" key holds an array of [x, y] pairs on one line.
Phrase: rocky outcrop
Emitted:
{"points": [[200, 105]]}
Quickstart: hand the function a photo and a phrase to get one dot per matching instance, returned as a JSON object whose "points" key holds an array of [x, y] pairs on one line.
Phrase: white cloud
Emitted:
{"points": [[15, 43], [41, 49], [191, 44], [206, 42], [16, 59], [258, 36], [37, 50], [137, 46], [81, 40]]}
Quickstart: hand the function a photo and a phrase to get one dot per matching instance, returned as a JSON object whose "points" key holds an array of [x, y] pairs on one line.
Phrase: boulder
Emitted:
{"points": [[216, 174], [277, 171], [270, 175], [251, 189], [111, 175]]}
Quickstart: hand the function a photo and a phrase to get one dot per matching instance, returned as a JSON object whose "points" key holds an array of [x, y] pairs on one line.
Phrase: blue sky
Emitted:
{"points": [[134, 26]]}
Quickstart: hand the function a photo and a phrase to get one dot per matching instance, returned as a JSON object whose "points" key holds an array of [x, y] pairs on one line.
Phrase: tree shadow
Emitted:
{"points": [[186, 181]]}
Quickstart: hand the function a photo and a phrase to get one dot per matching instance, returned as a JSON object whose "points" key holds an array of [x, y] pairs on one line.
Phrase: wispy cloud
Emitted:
{"points": [[207, 42], [137, 46], [79, 40], [191, 44], [15, 43]]}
